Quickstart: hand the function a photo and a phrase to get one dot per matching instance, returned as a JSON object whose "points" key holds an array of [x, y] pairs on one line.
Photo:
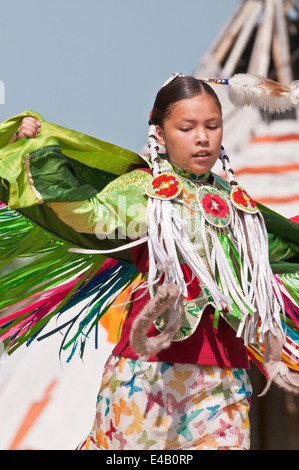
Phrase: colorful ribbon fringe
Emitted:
{"points": [[55, 290], [51, 284]]}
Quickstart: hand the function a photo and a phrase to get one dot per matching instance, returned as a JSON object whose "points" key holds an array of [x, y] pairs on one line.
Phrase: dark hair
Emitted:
{"points": [[180, 88]]}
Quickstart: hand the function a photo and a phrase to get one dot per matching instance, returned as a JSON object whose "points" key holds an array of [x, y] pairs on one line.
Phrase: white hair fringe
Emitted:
{"points": [[168, 240], [250, 234]]}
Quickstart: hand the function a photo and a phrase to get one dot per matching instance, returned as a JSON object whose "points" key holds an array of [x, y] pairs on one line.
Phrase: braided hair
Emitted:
{"points": [[179, 88], [164, 225]]}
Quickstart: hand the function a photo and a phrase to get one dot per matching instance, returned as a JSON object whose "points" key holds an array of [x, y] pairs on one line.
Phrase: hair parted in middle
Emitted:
{"points": [[180, 88]]}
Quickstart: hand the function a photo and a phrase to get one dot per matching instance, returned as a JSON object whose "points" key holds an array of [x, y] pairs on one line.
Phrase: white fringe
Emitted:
{"points": [[253, 248], [167, 239]]}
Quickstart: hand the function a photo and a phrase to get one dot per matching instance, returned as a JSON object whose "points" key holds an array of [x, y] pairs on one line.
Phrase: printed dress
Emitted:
{"points": [[165, 406]]}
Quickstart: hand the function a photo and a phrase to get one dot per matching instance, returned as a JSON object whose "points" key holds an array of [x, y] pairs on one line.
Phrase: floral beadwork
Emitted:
{"points": [[214, 206], [166, 186], [240, 199]]}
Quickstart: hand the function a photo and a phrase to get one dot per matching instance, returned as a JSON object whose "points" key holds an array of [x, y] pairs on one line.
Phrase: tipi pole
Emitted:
{"points": [[260, 57], [227, 39], [281, 46], [242, 40]]}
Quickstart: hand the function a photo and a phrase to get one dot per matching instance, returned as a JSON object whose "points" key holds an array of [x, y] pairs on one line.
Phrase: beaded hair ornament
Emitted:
{"points": [[256, 294]]}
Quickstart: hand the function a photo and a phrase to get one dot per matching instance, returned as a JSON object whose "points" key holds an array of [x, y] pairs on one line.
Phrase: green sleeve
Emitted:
{"points": [[117, 212], [58, 165], [62, 174]]}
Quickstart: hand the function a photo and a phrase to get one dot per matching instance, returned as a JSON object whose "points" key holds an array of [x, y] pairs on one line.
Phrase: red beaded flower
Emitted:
{"points": [[167, 185], [241, 197], [213, 204]]}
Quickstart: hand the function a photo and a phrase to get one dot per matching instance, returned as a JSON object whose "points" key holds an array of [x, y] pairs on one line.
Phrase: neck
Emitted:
{"points": [[191, 176]]}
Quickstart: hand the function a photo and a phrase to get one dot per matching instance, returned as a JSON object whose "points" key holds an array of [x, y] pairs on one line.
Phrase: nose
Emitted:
{"points": [[202, 137]]}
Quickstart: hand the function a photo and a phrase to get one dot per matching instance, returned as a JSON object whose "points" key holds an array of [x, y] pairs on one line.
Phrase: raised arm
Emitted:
{"points": [[30, 127], [116, 212]]}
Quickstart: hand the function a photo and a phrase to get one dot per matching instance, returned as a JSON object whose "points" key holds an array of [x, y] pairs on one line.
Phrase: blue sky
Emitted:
{"points": [[95, 66]]}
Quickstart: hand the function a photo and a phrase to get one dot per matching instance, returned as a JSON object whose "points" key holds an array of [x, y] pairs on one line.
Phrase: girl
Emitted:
{"points": [[177, 378]]}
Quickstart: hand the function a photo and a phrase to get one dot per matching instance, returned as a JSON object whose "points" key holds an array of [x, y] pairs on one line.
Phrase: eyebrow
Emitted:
{"points": [[214, 118]]}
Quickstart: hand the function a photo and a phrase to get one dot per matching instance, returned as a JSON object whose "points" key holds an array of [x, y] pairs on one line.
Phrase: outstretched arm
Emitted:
{"points": [[116, 211]]}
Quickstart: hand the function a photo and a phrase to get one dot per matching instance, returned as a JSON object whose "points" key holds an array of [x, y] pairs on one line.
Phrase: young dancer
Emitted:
{"points": [[177, 378]]}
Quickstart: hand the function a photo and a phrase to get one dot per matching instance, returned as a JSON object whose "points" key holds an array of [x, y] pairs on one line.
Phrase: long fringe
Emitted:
{"points": [[257, 276], [53, 282], [167, 241], [258, 282]]}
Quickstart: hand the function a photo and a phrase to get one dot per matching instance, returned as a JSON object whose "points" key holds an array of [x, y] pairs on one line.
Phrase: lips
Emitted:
{"points": [[202, 154]]}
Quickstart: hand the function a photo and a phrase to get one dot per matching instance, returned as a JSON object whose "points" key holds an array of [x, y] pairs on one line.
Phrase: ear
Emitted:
{"points": [[160, 136]]}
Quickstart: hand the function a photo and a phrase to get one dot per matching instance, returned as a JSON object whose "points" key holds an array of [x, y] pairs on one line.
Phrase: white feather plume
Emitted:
{"points": [[251, 90]]}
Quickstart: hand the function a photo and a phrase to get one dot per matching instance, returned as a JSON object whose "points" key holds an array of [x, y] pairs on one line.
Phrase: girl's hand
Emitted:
{"points": [[30, 127]]}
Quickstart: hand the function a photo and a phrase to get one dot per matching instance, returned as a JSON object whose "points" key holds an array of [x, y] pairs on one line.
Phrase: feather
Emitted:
{"points": [[245, 89], [260, 92]]}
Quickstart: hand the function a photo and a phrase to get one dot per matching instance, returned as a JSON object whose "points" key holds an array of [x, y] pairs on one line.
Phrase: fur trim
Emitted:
{"points": [[167, 297], [277, 371]]}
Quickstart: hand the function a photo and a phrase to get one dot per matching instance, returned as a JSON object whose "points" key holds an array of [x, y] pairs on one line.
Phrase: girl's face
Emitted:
{"points": [[192, 134]]}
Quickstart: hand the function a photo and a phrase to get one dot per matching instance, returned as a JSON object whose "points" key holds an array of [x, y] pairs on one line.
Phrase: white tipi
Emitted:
{"points": [[262, 39]]}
